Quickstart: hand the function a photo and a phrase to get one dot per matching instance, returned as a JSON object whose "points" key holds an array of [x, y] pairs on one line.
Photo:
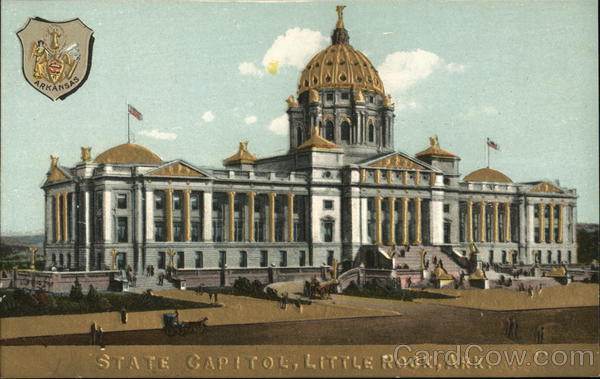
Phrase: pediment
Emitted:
{"points": [[55, 175], [177, 168], [546, 187], [397, 161]]}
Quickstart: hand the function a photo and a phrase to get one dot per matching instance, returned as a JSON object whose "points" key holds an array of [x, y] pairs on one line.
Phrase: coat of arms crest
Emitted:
{"points": [[57, 56]]}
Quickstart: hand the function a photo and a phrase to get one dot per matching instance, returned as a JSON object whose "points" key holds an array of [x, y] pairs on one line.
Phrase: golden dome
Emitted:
{"points": [[128, 153], [340, 66], [487, 174]]}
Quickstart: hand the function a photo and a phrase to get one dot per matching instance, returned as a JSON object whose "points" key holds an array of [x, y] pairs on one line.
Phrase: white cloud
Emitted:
{"points": [[250, 120], [249, 68], [280, 125], [455, 67], [208, 116], [294, 48], [157, 134], [403, 69]]}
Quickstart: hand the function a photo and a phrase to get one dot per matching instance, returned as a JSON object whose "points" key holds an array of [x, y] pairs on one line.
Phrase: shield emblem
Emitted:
{"points": [[57, 56]]}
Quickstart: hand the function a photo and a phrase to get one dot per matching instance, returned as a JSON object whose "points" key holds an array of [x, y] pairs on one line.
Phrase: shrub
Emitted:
{"points": [[92, 295], [76, 293]]}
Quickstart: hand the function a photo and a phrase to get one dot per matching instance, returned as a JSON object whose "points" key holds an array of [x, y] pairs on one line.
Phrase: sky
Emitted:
{"points": [[522, 73]]}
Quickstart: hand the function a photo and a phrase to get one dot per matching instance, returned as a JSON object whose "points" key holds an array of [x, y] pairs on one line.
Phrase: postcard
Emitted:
{"points": [[299, 189]]}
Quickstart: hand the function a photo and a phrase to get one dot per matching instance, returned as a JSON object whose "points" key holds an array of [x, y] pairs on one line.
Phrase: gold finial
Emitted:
{"points": [[244, 146], [315, 131], [53, 161], [313, 96], [86, 154], [292, 103], [433, 141], [387, 101], [358, 96], [340, 11]]}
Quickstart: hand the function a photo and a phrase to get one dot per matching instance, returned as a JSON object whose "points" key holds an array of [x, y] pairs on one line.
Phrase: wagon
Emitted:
{"points": [[173, 326]]}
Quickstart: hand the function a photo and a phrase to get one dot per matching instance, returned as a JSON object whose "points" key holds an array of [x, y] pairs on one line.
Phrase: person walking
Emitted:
{"points": [[123, 315], [539, 334], [514, 328], [93, 332], [216, 298], [100, 337]]}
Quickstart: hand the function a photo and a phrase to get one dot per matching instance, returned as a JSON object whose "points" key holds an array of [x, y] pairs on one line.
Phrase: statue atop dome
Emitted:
{"points": [[340, 11], [340, 34]]}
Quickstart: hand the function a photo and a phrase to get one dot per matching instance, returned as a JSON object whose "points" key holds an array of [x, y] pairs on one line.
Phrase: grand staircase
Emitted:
{"points": [[412, 258], [144, 283]]}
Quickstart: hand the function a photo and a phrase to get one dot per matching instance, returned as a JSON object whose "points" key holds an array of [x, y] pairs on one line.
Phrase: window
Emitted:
{"points": [[446, 208], [447, 231], [283, 258], [176, 200], [99, 200], [180, 259], [177, 231], [371, 132], [569, 257], [329, 133], [161, 260], [122, 201], [199, 260], [302, 258], [222, 258], [491, 256], [549, 257], [159, 200], [504, 257], [370, 99], [327, 204], [345, 131], [122, 229], [243, 259], [299, 136], [238, 230], [310, 258], [345, 95], [264, 258], [195, 231], [329, 257], [159, 231], [328, 231], [329, 97], [559, 257], [195, 202]]}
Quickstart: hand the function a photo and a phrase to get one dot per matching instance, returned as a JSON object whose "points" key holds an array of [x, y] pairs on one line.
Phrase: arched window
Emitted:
{"points": [[329, 131], [299, 136], [345, 131], [384, 134], [371, 132]]}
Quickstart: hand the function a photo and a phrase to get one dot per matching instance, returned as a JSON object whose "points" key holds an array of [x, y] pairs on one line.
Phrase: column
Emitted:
{"points": [[272, 216], [378, 220], [432, 179], [231, 199], [482, 223], [65, 216], [169, 213], [251, 196], [469, 221], [541, 224], [187, 224], [405, 177], [392, 221], [561, 212], [85, 215], [507, 236], [207, 216], [551, 223], [496, 236], [417, 178], [107, 215], [530, 222], [405, 221], [389, 176], [418, 221], [378, 176], [149, 215], [290, 216], [363, 175], [57, 231]]}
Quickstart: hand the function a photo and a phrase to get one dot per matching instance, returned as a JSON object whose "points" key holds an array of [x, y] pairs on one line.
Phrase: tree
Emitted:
{"points": [[76, 292], [92, 296]]}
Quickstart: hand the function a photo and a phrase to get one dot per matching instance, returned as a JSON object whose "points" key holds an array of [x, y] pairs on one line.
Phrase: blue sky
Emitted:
{"points": [[523, 73]]}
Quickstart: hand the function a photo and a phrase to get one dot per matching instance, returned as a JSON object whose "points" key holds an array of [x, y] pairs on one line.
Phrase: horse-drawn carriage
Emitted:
{"points": [[322, 290], [173, 326]]}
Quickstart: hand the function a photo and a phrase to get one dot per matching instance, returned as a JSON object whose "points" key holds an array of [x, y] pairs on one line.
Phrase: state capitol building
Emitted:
{"points": [[340, 193]]}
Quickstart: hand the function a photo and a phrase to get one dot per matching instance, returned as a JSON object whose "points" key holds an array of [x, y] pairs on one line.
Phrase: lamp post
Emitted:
{"points": [[32, 251]]}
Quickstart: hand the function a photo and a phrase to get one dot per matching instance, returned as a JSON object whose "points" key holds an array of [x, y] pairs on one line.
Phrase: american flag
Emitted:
{"points": [[493, 144], [134, 112]]}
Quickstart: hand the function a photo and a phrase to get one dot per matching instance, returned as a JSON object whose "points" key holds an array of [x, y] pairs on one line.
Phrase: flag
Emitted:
{"points": [[493, 144], [134, 112]]}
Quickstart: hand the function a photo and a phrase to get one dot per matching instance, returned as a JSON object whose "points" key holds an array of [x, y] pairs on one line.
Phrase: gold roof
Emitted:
{"points": [[487, 174], [242, 156], [128, 153], [434, 150], [340, 66], [317, 142]]}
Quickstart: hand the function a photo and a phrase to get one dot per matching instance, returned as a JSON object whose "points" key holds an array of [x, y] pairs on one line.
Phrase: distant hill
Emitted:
{"points": [[25, 240]]}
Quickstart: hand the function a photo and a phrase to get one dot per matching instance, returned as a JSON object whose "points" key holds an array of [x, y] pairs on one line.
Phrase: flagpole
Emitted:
{"points": [[488, 154], [128, 133]]}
